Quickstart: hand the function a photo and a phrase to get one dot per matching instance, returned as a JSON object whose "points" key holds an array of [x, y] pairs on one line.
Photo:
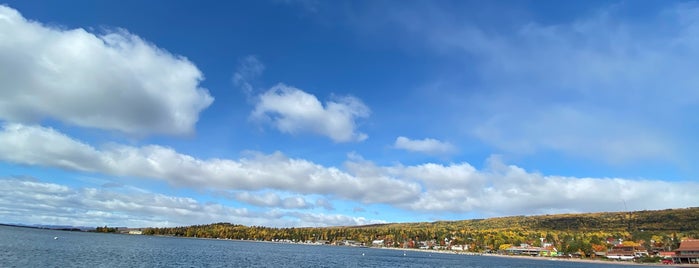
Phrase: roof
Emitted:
{"points": [[666, 253], [689, 244]]}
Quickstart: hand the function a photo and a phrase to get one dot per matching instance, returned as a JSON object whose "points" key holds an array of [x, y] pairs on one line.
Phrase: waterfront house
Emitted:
{"points": [[626, 253], [377, 243], [350, 243], [666, 254], [526, 249], [459, 247], [688, 252]]}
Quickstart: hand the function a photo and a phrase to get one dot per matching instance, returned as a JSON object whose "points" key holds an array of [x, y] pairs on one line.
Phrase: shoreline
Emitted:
{"points": [[598, 261], [467, 253]]}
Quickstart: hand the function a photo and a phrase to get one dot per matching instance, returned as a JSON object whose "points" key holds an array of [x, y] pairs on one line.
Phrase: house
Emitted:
{"points": [[350, 243], [623, 253], [614, 241], [526, 249], [666, 254], [688, 252], [459, 247], [626, 253], [377, 243]]}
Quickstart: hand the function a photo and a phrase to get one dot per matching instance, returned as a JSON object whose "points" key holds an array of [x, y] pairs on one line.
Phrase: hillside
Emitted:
{"points": [[568, 232], [677, 220]]}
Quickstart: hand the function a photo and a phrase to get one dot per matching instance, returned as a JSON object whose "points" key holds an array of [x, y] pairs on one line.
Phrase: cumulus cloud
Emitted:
{"points": [[59, 204], [334, 219], [426, 146], [37, 202], [115, 81], [501, 189], [35, 145], [270, 199], [292, 110], [497, 189], [267, 199], [295, 202]]}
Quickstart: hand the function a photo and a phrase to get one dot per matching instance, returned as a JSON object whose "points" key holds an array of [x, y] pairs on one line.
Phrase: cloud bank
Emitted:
{"points": [[34, 201], [270, 199], [115, 81], [497, 189], [35, 145]]}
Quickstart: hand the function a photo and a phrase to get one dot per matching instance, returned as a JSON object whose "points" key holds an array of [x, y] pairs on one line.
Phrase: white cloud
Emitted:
{"points": [[501, 189], [498, 189], [270, 199], [47, 147], [42, 146], [36, 202], [248, 69], [267, 199], [295, 202], [293, 111], [427, 146], [114, 81], [334, 219]]}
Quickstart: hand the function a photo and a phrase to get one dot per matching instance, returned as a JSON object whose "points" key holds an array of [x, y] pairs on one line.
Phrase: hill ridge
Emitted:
{"points": [[653, 229]]}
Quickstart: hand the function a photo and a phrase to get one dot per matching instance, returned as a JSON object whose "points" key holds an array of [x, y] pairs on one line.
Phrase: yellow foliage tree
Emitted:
{"points": [[630, 244], [505, 246]]}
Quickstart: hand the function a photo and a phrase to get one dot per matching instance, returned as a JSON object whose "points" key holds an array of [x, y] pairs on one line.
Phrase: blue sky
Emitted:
{"points": [[319, 113]]}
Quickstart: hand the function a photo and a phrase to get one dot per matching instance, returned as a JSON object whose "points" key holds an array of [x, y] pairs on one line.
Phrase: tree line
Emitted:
{"points": [[569, 233]]}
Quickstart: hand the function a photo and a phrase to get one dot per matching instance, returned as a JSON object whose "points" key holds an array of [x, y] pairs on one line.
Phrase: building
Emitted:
{"points": [[688, 252], [377, 243], [526, 249], [626, 253], [459, 247], [666, 254]]}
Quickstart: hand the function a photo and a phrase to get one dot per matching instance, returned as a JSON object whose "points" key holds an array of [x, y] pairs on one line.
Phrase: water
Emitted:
{"points": [[25, 247]]}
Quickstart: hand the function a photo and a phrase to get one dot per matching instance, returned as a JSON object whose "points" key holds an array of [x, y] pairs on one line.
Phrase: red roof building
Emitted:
{"points": [[688, 252], [666, 254]]}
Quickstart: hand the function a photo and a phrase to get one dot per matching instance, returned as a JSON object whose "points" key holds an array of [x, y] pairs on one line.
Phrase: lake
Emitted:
{"points": [[28, 247]]}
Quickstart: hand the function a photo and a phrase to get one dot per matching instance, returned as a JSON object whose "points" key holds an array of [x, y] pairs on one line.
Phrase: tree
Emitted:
{"points": [[504, 247]]}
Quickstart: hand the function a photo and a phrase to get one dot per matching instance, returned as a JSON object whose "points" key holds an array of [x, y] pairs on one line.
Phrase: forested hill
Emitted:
{"points": [[678, 220], [570, 232]]}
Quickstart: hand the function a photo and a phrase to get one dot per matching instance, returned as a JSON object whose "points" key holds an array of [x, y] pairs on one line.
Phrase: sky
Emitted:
{"points": [[335, 113]]}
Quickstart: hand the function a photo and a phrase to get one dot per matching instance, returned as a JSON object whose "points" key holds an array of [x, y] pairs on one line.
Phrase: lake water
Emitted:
{"points": [[26, 247]]}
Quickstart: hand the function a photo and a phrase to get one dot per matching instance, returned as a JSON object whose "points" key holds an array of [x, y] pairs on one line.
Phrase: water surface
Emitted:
{"points": [[27, 247]]}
